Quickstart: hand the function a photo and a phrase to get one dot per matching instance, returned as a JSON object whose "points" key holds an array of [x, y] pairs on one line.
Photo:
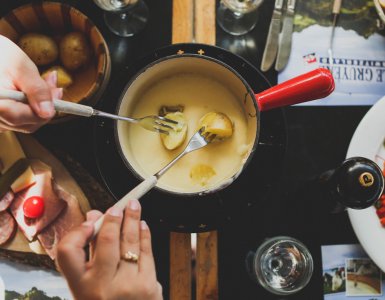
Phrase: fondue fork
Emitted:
{"points": [[199, 140], [152, 123]]}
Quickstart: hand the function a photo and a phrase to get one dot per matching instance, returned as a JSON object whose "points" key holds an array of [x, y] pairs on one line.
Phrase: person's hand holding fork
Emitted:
{"points": [[121, 263], [18, 72]]}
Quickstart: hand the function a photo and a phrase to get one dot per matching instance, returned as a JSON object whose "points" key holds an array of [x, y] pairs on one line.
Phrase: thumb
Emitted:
{"points": [[27, 79], [71, 257]]}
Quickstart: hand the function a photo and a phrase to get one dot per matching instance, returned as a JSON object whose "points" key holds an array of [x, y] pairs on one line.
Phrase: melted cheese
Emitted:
{"points": [[199, 95]]}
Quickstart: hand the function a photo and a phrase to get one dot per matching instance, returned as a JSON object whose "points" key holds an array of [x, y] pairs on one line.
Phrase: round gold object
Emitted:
{"points": [[130, 257], [366, 179]]}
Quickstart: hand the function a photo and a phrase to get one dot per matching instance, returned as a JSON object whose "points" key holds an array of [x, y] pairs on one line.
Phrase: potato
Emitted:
{"points": [[64, 79], [201, 174], [41, 49], [217, 123], [175, 137], [75, 51]]}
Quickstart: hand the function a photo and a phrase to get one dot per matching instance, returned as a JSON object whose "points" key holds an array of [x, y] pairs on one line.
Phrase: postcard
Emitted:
{"points": [[18, 281], [358, 51], [348, 273]]}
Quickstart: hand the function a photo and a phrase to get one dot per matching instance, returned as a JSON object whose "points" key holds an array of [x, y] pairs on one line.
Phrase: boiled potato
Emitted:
{"points": [[217, 123], [41, 49], [176, 136], [74, 50], [64, 79], [201, 174]]}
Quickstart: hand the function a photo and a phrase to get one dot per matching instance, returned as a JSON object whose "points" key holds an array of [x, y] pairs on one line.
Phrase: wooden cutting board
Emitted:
{"points": [[19, 249]]}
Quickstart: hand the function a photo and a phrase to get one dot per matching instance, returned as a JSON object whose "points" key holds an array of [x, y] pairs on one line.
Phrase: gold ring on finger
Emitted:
{"points": [[130, 257]]}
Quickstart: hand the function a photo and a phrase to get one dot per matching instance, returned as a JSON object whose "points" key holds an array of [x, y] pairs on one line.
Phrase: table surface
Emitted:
{"points": [[318, 138]]}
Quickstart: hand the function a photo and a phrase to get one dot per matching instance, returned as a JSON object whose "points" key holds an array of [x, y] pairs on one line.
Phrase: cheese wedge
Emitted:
{"points": [[10, 150], [23, 181]]}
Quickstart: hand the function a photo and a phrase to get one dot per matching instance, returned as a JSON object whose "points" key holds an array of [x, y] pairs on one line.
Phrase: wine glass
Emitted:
{"points": [[282, 265], [238, 17], [124, 17]]}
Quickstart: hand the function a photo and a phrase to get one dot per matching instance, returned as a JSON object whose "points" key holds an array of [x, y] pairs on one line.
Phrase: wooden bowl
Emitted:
{"points": [[380, 10], [55, 20]]}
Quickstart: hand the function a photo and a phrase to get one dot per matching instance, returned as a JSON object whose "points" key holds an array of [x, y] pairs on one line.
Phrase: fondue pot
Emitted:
{"points": [[314, 85], [145, 157]]}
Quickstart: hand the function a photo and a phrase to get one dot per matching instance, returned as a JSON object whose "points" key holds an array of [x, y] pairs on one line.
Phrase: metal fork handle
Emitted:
{"points": [[60, 105], [115, 117], [196, 142], [170, 164]]}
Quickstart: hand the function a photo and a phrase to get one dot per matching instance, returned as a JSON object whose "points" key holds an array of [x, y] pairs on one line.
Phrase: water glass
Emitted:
{"points": [[124, 17], [238, 17], [282, 265]]}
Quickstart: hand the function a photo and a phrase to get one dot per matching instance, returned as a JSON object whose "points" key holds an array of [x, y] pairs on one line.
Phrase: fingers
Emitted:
{"points": [[93, 215], [21, 117], [23, 129], [131, 234], [51, 79], [146, 262], [107, 250], [27, 78], [17, 114], [71, 257]]}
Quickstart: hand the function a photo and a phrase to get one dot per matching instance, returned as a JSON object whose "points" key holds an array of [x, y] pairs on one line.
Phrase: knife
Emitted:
{"points": [[335, 12], [271, 47], [284, 47]]}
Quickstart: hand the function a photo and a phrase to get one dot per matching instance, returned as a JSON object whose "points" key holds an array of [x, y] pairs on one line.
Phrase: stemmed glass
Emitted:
{"points": [[124, 17], [238, 17], [282, 265]]}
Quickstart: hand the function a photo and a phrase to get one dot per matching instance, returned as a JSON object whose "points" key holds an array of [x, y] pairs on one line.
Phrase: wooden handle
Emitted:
{"points": [[60, 105], [337, 6], [73, 108], [313, 85], [139, 191]]}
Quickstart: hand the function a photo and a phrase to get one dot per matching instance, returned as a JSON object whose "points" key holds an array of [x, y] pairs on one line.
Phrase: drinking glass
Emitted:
{"points": [[238, 17], [124, 17], [282, 265]]}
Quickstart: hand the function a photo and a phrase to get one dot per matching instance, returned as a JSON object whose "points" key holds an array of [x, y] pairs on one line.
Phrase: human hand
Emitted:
{"points": [[18, 72], [106, 275]]}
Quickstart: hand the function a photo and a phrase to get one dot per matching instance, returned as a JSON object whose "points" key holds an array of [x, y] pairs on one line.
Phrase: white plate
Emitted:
{"points": [[367, 142]]}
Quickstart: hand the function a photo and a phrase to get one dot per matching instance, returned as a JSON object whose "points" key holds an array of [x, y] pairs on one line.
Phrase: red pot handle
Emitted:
{"points": [[313, 85]]}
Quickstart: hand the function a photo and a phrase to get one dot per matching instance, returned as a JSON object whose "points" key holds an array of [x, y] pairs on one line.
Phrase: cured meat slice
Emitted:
{"points": [[6, 201], [7, 227], [53, 204], [70, 217]]}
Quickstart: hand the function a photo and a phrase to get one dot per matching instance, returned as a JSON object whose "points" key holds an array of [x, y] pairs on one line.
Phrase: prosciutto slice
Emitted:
{"points": [[7, 227], [53, 204], [6, 201], [70, 217]]}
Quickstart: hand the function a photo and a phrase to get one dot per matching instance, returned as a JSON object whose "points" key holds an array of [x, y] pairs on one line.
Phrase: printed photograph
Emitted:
{"points": [[21, 282], [334, 280], [363, 278], [348, 273]]}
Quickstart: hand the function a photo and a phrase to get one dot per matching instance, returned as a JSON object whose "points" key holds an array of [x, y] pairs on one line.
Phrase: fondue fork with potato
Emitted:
{"points": [[197, 141], [213, 127], [153, 123]]}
